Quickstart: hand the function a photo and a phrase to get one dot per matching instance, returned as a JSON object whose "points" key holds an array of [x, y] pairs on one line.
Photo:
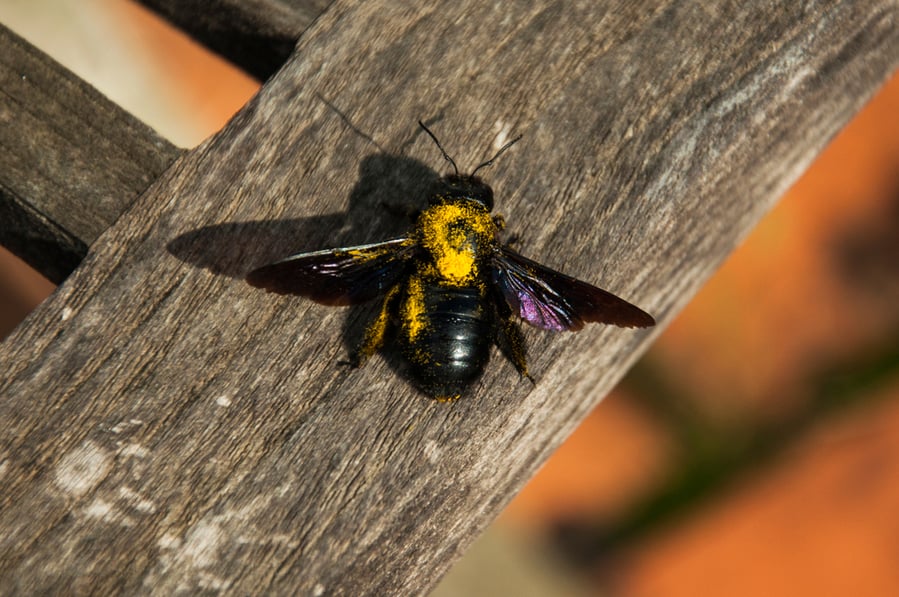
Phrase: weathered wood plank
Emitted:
{"points": [[256, 35], [166, 427], [70, 160]]}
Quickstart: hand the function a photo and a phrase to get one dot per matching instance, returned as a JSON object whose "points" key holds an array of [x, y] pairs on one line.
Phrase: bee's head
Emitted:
{"points": [[465, 186], [454, 187]]}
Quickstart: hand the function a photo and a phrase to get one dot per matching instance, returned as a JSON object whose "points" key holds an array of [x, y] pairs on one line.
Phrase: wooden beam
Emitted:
{"points": [[164, 427], [256, 35], [71, 160]]}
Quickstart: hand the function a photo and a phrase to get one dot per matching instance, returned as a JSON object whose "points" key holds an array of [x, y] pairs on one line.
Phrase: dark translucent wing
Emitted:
{"points": [[346, 276], [553, 301]]}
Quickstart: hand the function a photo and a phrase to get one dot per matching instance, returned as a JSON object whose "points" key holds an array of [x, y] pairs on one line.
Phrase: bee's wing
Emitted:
{"points": [[345, 276], [551, 300]]}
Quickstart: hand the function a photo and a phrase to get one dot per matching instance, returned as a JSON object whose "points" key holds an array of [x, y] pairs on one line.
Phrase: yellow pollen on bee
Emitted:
{"points": [[414, 318], [362, 256], [451, 232]]}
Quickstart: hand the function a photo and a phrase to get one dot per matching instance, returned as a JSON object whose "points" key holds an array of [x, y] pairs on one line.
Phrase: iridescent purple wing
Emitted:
{"points": [[346, 276], [553, 301]]}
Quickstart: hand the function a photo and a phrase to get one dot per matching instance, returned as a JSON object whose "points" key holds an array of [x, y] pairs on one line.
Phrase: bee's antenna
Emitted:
{"points": [[440, 147], [498, 153]]}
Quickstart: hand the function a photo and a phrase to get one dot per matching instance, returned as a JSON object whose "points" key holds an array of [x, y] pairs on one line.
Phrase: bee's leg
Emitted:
{"points": [[510, 340], [374, 334]]}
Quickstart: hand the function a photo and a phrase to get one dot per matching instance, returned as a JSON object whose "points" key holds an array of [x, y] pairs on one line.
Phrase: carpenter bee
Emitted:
{"points": [[450, 288]]}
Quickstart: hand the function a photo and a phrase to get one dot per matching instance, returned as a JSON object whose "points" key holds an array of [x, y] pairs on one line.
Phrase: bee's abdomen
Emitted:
{"points": [[449, 352]]}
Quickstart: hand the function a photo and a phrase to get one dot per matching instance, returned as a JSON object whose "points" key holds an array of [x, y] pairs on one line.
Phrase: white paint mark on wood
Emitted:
{"points": [[126, 425], [502, 133], [136, 501], [208, 580], [223, 401], [194, 556], [201, 546], [135, 450], [101, 509], [81, 470], [168, 542], [433, 451], [66, 313]]}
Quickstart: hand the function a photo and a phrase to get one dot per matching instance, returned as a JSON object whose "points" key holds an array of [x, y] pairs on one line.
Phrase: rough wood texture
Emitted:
{"points": [[256, 35], [166, 427], [70, 160]]}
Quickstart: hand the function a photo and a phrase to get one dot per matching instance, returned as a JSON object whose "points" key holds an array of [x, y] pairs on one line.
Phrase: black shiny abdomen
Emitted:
{"points": [[450, 353]]}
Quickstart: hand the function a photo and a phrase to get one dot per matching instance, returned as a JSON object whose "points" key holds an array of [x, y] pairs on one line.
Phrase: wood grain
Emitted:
{"points": [[256, 35], [70, 160], [165, 427]]}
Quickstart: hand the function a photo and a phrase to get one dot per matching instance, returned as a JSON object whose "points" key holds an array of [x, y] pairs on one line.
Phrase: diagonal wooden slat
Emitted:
{"points": [[167, 428], [70, 160], [256, 35]]}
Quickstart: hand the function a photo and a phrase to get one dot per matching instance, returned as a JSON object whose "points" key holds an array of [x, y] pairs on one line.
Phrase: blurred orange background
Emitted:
{"points": [[754, 450]]}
